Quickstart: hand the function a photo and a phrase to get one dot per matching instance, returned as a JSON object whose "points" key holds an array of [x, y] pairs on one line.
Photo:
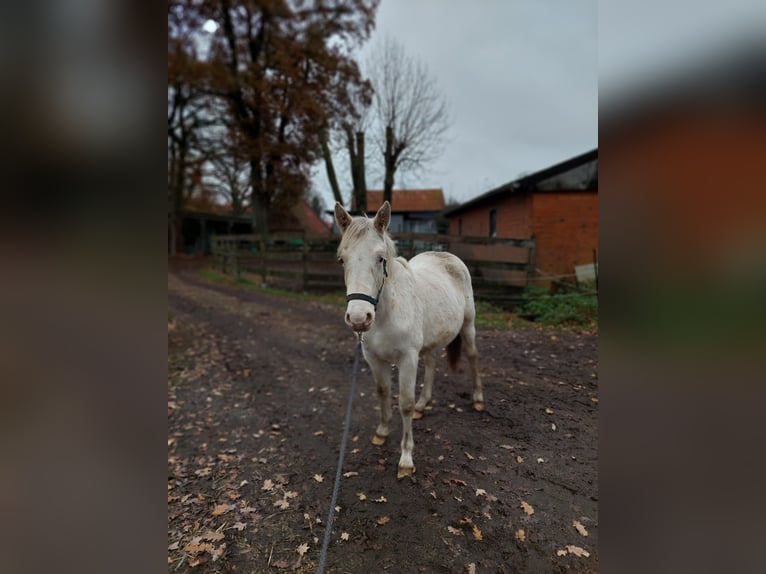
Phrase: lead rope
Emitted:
{"points": [[343, 442]]}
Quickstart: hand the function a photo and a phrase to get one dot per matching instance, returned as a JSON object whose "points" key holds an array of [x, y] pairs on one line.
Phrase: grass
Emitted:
{"points": [[337, 299], [487, 315]]}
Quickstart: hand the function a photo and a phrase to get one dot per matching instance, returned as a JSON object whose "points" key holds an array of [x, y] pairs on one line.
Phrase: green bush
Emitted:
{"points": [[572, 308]]}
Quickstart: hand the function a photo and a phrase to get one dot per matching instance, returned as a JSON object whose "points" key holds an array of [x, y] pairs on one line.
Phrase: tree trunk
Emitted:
{"points": [[389, 161], [361, 179], [330, 167], [260, 200]]}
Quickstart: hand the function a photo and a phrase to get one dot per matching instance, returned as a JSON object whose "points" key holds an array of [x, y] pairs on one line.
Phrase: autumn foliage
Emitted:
{"points": [[263, 80]]}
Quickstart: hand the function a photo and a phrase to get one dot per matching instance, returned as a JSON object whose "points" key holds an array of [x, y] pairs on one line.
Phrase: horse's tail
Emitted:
{"points": [[453, 352]]}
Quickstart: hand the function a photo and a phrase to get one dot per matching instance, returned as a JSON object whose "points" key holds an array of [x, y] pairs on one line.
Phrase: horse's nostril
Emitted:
{"points": [[369, 317], [348, 317]]}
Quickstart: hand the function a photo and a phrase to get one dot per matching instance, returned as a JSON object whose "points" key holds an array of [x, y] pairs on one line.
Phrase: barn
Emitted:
{"points": [[412, 210], [556, 206]]}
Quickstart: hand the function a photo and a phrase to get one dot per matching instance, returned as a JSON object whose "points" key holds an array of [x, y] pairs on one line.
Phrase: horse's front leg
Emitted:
{"points": [[408, 370], [381, 372]]}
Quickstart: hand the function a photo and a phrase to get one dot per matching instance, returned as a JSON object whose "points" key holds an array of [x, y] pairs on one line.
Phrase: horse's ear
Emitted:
{"points": [[342, 217], [383, 217]]}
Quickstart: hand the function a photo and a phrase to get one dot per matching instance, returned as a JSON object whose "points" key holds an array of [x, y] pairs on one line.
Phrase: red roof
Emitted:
{"points": [[408, 200], [309, 220]]}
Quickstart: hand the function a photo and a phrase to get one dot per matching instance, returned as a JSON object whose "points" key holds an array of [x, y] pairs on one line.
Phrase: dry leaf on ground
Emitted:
{"points": [[220, 509], [455, 531], [344, 535], [302, 549], [268, 484], [383, 520], [521, 536], [527, 508], [476, 532], [580, 528], [318, 477]]}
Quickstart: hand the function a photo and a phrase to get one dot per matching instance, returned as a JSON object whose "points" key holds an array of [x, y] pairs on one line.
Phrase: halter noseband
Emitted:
{"points": [[363, 297]]}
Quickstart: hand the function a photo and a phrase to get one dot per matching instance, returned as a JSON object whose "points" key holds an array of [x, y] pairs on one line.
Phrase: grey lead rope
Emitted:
{"points": [[343, 442]]}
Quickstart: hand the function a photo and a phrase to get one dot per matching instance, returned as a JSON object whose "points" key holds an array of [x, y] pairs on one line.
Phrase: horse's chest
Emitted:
{"points": [[387, 348]]}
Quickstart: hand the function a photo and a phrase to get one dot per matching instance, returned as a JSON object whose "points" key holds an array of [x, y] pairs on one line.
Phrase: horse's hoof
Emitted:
{"points": [[478, 406], [402, 472], [378, 440], [417, 415]]}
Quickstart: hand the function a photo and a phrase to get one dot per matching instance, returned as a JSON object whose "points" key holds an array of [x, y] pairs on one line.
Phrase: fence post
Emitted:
{"points": [[531, 260], [262, 249], [235, 260], [305, 257]]}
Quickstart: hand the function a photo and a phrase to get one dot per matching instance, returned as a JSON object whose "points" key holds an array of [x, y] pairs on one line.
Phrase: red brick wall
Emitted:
{"points": [[512, 218], [565, 225]]}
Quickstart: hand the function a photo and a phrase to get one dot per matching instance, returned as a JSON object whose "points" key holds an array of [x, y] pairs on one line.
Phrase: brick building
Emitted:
{"points": [[557, 206]]}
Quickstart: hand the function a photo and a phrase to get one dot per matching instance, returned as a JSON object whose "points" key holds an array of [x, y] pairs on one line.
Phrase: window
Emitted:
{"points": [[493, 222]]}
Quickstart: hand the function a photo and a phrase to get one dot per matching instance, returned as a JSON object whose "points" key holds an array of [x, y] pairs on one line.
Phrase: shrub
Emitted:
{"points": [[572, 308]]}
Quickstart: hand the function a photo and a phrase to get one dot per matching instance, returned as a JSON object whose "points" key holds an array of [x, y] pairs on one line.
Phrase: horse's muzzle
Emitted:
{"points": [[359, 317]]}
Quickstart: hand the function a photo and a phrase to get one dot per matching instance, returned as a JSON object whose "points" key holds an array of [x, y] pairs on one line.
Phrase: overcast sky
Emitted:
{"points": [[520, 77]]}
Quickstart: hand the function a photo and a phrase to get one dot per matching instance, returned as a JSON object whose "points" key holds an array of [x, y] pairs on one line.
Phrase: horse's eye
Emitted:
{"points": [[380, 259]]}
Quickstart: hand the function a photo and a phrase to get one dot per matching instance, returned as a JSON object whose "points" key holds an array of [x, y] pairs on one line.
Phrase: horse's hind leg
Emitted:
{"points": [[408, 371], [469, 337], [381, 372], [429, 360]]}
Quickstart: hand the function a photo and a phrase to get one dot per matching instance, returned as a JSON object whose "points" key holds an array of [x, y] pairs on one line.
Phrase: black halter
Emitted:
{"points": [[363, 297]]}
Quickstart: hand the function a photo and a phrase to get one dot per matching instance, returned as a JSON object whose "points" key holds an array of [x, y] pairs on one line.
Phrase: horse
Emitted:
{"points": [[403, 310]]}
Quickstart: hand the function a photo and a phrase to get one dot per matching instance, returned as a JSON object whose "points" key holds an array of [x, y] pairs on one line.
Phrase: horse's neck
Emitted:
{"points": [[402, 283]]}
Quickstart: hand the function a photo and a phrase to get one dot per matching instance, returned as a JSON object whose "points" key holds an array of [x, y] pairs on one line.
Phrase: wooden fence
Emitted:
{"points": [[500, 268]]}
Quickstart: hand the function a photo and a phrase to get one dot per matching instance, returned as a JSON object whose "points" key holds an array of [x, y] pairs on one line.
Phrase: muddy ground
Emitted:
{"points": [[257, 393]]}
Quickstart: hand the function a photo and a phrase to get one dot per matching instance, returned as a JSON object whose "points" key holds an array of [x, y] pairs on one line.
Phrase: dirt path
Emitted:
{"points": [[257, 390]]}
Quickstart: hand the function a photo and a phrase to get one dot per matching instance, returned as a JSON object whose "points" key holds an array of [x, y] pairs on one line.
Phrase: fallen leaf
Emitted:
{"points": [[319, 433], [562, 552], [527, 508], [302, 549], [383, 520], [212, 536], [455, 531], [521, 536], [282, 504], [216, 553], [481, 492], [344, 535], [239, 526], [361, 495], [290, 494], [580, 528], [470, 568], [221, 509], [549, 411], [198, 548], [540, 460], [476, 532], [469, 456], [319, 478], [268, 484], [173, 546], [350, 474], [553, 426], [577, 551], [594, 399], [506, 446], [519, 459], [381, 499]]}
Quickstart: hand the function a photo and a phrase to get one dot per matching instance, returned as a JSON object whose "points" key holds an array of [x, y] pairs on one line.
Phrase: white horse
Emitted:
{"points": [[405, 309]]}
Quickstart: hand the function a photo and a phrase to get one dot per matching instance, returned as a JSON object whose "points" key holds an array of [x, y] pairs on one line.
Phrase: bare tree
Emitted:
{"points": [[410, 113]]}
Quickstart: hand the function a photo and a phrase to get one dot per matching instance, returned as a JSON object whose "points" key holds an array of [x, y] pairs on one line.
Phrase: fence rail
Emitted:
{"points": [[500, 268]]}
